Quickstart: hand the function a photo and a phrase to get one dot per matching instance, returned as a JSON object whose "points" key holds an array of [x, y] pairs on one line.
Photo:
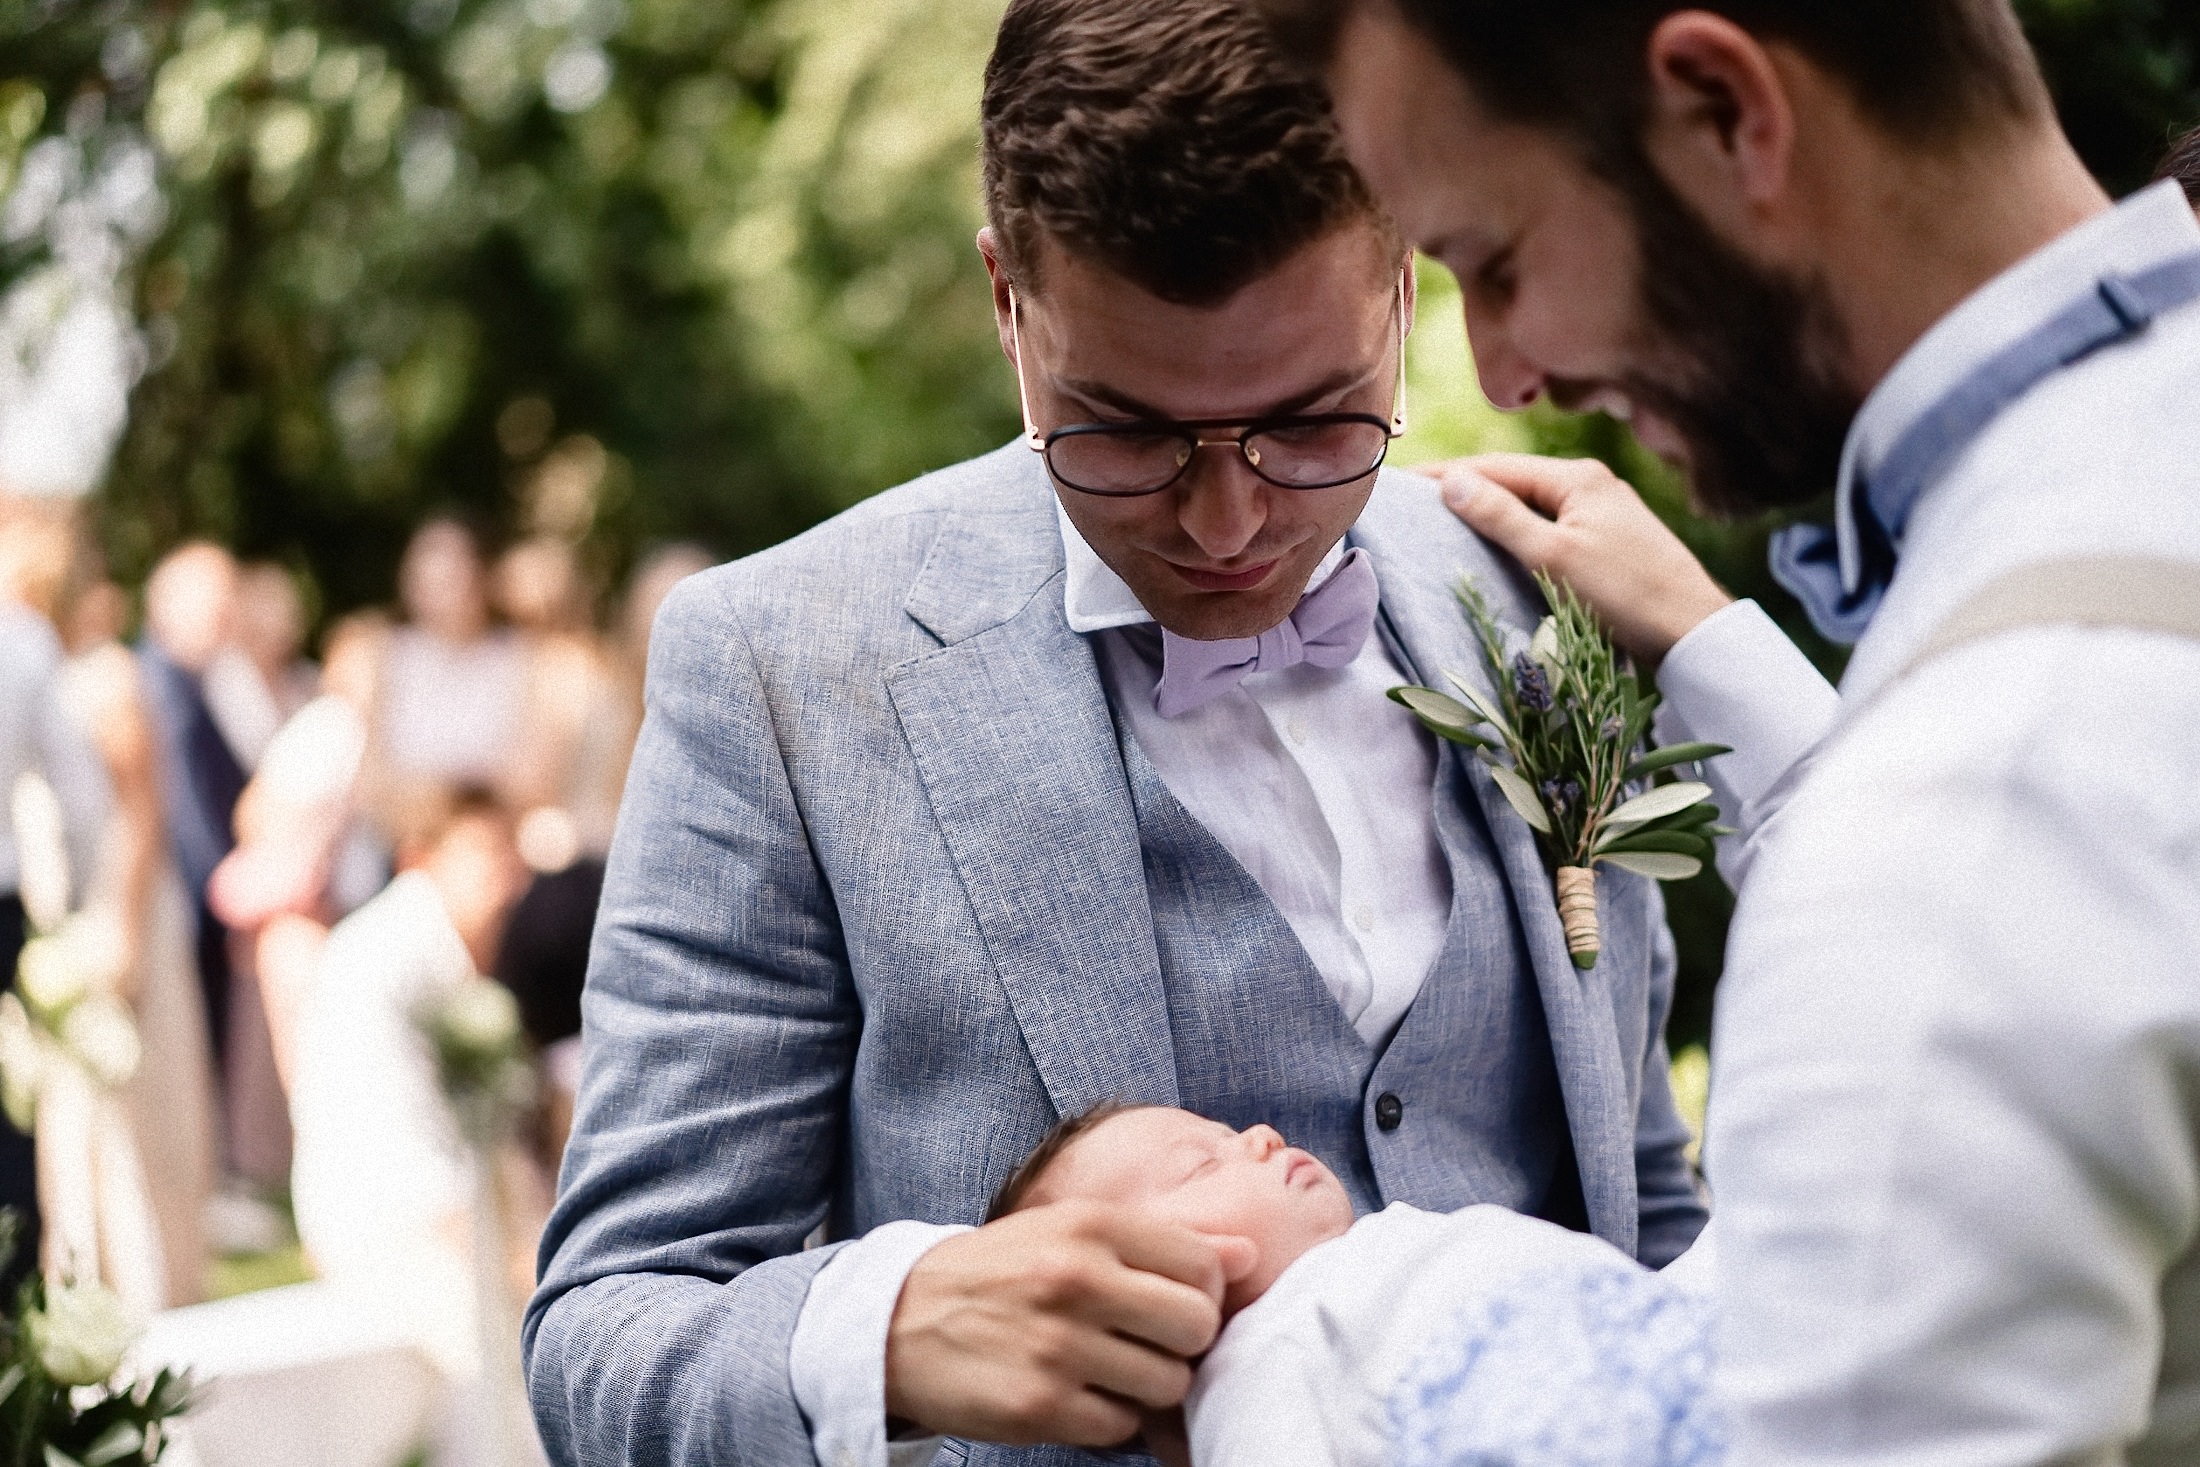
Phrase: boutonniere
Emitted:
{"points": [[1564, 740]]}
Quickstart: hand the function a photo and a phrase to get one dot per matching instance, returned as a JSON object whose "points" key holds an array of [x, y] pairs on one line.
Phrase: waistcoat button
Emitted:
{"points": [[1389, 1111]]}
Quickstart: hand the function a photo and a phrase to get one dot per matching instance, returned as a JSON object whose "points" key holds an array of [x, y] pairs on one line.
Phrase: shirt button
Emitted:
{"points": [[1295, 731], [1363, 918], [1389, 1111]]}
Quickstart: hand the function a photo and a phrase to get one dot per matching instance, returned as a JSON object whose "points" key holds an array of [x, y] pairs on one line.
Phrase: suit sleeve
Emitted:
{"points": [[720, 1027], [1671, 1204]]}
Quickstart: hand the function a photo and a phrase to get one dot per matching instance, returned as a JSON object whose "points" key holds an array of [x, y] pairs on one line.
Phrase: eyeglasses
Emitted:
{"points": [[1288, 450]]}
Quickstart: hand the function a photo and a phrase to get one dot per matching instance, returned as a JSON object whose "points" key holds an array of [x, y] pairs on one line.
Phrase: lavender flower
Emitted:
{"points": [[1560, 796], [1532, 684]]}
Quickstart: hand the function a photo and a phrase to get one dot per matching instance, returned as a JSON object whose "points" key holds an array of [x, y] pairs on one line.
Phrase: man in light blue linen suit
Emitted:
{"points": [[1062, 777]]}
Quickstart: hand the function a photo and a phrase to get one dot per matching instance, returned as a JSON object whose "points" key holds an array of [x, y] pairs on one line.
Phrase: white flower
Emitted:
{"points": [[49, 981], [479, 1017], [1543, 647], [82, 1333], [84, 955], [21, 1063], [100, 1035]]}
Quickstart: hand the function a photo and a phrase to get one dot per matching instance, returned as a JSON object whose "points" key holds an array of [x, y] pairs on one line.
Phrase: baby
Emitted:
{"points": [[1404, 1336]]}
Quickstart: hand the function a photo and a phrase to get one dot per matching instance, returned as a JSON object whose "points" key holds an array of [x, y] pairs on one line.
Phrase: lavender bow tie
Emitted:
{"points": [[1328, 629]]}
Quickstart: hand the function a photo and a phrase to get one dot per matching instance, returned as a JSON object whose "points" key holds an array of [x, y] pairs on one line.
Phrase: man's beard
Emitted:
{"points": [[1748, 373]]}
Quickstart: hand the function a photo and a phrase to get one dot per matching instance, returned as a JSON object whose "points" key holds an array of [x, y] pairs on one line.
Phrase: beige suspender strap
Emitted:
{"points": [[2139, 593], [2136, 593]]}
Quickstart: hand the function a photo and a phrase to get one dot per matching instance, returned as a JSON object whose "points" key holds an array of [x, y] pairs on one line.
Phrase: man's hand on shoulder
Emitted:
{"points": [[1584, 525], [1061, 1324]]}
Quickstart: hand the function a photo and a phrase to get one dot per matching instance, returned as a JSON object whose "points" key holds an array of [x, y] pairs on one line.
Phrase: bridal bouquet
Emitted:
{"points": [[61, 1405], [473, 1030], [1562, 739]]}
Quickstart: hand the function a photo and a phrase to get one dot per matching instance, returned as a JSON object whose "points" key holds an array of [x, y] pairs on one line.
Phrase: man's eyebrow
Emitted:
{"points": [[1100, 393]]}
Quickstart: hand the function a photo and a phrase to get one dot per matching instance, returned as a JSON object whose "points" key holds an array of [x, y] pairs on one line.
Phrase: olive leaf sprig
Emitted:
{"points": [[1571, 718]]}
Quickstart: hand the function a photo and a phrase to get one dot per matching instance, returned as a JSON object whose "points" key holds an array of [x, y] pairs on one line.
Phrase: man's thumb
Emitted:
{"points": [[1238, 1256]]}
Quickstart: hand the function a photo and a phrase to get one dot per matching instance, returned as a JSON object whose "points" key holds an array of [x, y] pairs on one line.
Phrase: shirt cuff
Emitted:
{"points": [[837, 1360], [1737, 680]]}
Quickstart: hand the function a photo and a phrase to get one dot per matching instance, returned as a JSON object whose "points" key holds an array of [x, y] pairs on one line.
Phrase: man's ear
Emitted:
{"points": [[1721, 122], [989, 249]]}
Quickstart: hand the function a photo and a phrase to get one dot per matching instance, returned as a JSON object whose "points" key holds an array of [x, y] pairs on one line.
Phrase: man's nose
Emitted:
{"points": [[1509, 379], [1221, 503]]}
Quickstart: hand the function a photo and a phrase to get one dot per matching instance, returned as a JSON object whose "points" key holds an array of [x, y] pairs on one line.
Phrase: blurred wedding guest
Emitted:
{"points": [[304, 858], [451, 687], [543, 960], [652, 581], [572, 758], [35, 738], [382, 1184], [260, 679], [190, 607], [168, 1104]]}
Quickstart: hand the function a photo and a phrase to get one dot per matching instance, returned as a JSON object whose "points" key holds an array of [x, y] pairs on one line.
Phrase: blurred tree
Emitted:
{"points": [[525, 257]]}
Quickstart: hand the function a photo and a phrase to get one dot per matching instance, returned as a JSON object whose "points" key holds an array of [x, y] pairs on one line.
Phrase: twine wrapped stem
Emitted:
{"points": [[1577, 912]]}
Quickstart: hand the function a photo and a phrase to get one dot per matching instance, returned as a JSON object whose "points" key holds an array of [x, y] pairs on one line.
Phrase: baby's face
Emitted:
{"points": [[1209, 1178]]}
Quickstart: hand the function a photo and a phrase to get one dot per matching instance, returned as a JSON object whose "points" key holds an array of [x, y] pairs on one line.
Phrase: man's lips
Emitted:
{"points": [[1212, 580]]}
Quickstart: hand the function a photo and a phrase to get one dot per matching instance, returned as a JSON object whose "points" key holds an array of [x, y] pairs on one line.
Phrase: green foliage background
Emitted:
{"points": [[725, 242]]}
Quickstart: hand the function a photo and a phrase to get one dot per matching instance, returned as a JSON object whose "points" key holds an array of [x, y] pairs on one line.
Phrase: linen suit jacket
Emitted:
{"points": [[876, 916]]}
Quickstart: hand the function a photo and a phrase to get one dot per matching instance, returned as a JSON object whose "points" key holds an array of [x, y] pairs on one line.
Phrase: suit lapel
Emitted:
{"points": [[1017, 752], [1418, 571]]}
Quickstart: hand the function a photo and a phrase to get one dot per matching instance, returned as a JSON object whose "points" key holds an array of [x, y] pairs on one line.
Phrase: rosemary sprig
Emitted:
{"points": [[1561, 739]]}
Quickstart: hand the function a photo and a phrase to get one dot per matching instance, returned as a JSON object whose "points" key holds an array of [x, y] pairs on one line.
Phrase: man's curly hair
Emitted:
{"points": [[1164, 140]]}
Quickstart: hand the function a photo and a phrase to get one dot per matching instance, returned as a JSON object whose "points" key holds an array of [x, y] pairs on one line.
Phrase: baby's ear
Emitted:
{"points": [[1238, 1256]]}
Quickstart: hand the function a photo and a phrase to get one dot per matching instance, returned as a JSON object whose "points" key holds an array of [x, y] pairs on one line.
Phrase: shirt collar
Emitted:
{"points": [[2147, 229], [1098, 600]]}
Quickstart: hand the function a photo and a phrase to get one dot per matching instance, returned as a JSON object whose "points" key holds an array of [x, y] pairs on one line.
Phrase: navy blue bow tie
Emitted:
{"points": [[1842, 584]]}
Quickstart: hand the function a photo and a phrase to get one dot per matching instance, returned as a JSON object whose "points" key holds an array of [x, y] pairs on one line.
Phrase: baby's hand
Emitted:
{"points": [[1584, 525]]}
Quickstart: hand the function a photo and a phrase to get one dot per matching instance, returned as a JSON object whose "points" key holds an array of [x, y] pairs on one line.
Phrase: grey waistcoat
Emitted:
{"points": [[1467, 1082]]}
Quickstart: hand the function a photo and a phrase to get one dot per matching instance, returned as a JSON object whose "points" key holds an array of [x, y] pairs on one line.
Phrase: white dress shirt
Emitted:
{"points": [[1313, 779], [1322, 789], [1954, 1136], [1737, 680]]}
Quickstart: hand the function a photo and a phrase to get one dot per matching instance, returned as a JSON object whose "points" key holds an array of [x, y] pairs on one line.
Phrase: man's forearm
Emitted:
{"points": [[665, 1370]]}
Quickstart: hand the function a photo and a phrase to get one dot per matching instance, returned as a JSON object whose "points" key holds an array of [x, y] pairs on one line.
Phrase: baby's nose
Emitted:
{"points": [[1263, 1141]]}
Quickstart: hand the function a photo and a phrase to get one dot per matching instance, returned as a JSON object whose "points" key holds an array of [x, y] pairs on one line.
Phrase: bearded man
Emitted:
{"points": [[1064, 776], [1955, 1139]]}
